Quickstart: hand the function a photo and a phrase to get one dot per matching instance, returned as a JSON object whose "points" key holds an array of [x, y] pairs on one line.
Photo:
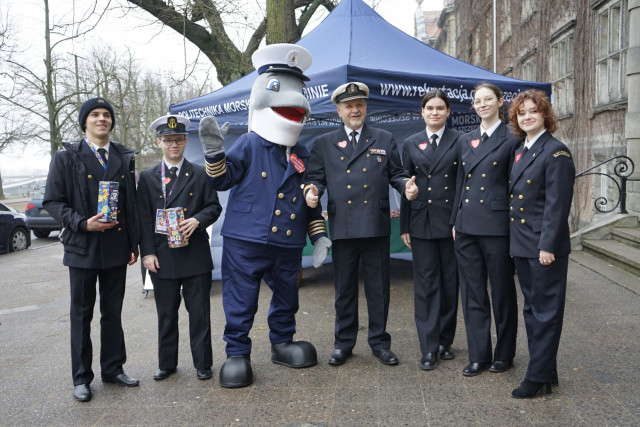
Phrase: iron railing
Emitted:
{"points": [[622, 169]]}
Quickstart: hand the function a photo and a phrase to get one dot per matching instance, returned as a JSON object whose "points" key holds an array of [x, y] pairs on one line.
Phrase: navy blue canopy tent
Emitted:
{"points": [[354, 43]]}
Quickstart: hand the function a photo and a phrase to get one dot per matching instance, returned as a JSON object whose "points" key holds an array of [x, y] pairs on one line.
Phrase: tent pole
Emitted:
{"points": [[495, 38]]}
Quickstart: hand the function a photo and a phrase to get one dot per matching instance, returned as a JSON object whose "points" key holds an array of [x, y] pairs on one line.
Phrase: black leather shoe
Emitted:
{"points": [[429, 361], [82, 393], [162, 374], [236, 372], [339, 357], [123, 380], [446, 353], [498, 366], [474, 369], [386, 356], [298, 354], [204, 374], [529, 389]]}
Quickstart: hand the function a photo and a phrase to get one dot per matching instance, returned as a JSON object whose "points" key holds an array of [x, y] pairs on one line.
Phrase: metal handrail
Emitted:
{"points": [[623, 169]]}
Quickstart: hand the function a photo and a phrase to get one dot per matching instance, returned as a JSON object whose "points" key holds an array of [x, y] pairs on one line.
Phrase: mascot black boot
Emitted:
{"points": [[236, 372], [299, 354]]}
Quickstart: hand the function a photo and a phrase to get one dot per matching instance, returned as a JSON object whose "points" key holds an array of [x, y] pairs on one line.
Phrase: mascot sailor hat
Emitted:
{"points": [[278, 107]]}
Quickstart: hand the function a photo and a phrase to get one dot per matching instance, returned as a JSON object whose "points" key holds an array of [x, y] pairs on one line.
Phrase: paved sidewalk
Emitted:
{"points": [[598, 363]]}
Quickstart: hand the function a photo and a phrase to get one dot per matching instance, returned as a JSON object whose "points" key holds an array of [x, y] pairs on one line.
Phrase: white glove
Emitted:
{"points": [[320, 251], [212, 136]]}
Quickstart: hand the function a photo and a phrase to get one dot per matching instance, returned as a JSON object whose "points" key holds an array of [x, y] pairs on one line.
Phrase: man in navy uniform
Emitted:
{"points": [[177, 183], [266, 219], [355, 165], [94, 250]]}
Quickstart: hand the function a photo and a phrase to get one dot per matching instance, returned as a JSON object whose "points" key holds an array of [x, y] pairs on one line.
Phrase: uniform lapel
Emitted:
{"points": [[185, 174], [342, 143], [366, 140], [91, 162], [493, 143], [535, 151], [113, 164], [423, 147], [291, 166], [446, 142]]}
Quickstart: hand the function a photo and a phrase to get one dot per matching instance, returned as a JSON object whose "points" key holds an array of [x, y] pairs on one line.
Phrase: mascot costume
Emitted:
{"points": [[267, 219]]}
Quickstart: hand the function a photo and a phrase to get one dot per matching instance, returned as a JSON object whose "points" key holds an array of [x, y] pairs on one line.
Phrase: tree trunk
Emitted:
{"points": [[281, 22]]}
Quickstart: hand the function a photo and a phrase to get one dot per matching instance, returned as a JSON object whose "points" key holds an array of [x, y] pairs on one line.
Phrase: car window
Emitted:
{"points": [[39, 195], [3, 208]]}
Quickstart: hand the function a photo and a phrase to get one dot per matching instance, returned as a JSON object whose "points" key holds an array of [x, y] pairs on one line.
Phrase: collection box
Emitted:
{"points": [[108, 200]]}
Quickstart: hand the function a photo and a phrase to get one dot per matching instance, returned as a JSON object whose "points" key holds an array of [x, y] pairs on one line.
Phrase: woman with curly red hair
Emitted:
{"points": [[541, 190]]}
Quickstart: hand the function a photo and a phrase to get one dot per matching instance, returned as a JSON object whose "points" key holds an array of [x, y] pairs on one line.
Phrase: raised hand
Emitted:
{"points": [[312, 196], [411, 189], [212, 136]]}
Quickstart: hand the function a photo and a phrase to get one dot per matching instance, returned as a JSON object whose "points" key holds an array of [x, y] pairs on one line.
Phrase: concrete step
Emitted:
{"points": [[628, 236], [598, 265], [616, 253]]}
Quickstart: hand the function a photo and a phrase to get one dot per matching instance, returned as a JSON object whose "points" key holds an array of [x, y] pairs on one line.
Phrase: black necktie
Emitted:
{"points": [[434, 139], [524, 151], [354, 141], [103, 154], [173, 175], [485, 137]]}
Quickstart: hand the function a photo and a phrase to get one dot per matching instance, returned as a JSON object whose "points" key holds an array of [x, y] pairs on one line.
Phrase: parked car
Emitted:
{"points": [[14, 230], [39, 220]]}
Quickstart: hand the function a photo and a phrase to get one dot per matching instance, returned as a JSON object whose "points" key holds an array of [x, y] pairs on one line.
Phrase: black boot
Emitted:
{"points": [[236, 372], [299, 354], [529, 389]]}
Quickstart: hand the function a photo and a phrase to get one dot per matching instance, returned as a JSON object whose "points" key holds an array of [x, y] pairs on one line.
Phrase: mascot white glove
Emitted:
{"points": [[320, 251], [212, 136]]}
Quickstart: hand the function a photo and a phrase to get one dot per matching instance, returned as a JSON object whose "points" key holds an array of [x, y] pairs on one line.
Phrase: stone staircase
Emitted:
{"points": [[611, 246]]}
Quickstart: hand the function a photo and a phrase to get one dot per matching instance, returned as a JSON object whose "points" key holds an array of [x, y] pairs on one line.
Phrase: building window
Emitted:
{"points": [[528, 7], [528, 69], [505, 25], [562, 73], [613, 41]]}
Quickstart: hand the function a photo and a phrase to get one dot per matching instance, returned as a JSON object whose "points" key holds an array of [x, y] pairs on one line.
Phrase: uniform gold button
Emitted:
{"points": [[365, 202], [416, 167], [119, 228], [349, 187], [185, 209], [446, 201], [512, 219], [446, 175], [528, 181], [466, 188], [348, 170], [288, 232], [510, 208], [463, 163], [122, 176], [302, 186], [280, 196], [522, 221], [366, 186], [495, 163], [348, 202], [482, 202], [294, 199], [466, 200], [293, 216], [511, 196], [187, 174], [484, 175], [368, 155], [364, 169], [469, 176], [481, 188], [521, 197], [274, 229], [446, 188], [90, 176], [278, 212], [342, 158], [160, 196], [429, 176], [429, 189], [429, 201], [191, 194], [455, 163], [264, 174], [521, 209]]}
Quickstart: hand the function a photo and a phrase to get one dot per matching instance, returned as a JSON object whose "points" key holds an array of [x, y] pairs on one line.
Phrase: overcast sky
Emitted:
{"points": [[155, 47]]}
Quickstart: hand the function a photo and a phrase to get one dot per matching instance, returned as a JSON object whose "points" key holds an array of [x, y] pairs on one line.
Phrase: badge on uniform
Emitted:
{"points": [[475, 143], [167, 180], [423, 146], [518, 157], [378, 151], [161, 222], [342, 144], [296, 162]]}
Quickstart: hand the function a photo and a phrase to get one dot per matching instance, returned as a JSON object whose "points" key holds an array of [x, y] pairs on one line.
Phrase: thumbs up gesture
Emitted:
{"points": [[411, 189], [312, 196]]}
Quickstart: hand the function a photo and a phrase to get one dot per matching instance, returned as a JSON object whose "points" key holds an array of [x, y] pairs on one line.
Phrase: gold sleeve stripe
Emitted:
{"points": [[215, 172], [561, 153], [305, 189]]}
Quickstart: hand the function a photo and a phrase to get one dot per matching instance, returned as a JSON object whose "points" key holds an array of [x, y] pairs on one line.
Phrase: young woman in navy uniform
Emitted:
{"points": [[541, 189], [481, 233], [431, 156]]}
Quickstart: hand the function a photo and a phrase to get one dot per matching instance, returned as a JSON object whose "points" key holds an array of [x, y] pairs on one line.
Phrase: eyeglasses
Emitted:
{"points": [[177, 141], [487, 101]]}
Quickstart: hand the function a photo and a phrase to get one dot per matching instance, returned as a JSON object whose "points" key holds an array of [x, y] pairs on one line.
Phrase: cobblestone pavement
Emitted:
{"points": [[598, 363]]}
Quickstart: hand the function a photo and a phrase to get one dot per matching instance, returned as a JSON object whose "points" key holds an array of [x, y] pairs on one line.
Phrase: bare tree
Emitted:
{"points": [[202, 22]]}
